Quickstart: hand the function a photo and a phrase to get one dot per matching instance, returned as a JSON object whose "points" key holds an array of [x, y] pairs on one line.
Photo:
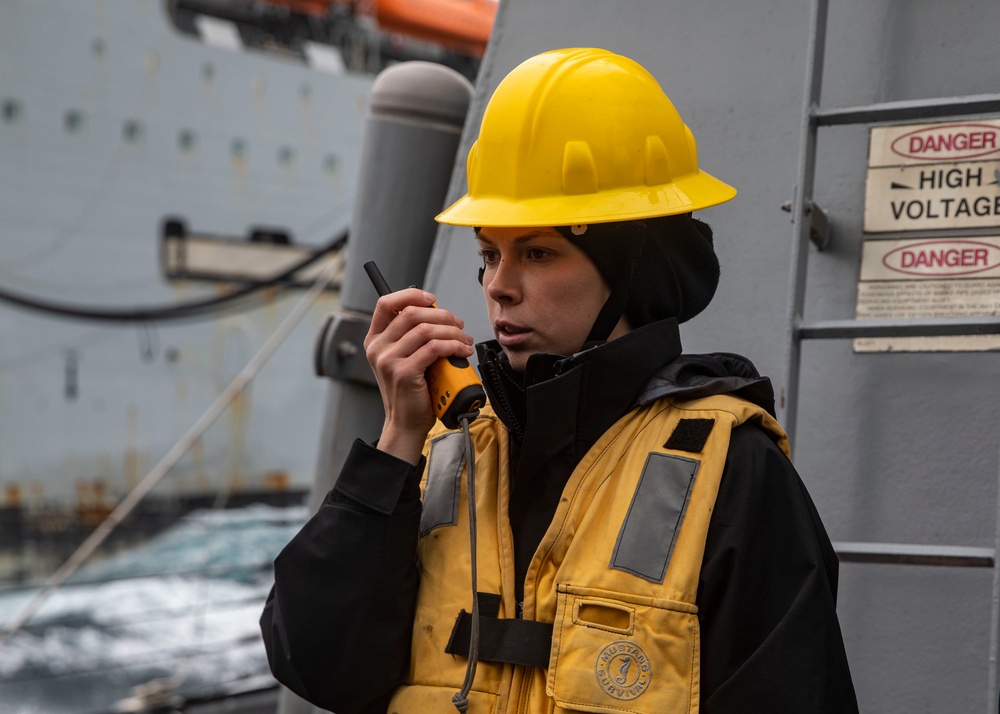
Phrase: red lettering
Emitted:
{"points": [[959, 257], [944, 257], [959, 141]]}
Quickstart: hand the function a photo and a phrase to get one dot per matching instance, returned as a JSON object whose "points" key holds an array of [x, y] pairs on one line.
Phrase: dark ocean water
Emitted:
{"points": [[183, 606]]}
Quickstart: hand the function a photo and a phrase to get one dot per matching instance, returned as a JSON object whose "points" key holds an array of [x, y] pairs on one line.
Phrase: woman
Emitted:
{"points": [[642, 542]]}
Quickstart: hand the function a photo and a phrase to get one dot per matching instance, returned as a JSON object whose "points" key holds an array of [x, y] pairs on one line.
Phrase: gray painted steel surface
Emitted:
{"points": [[112, 121], [894, 448]]}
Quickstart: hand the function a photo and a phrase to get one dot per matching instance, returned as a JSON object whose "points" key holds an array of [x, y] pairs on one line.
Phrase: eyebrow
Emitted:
{"points": [[519, 239]]}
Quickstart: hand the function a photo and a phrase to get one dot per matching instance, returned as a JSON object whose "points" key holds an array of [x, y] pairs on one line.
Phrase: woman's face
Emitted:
{"points": [[542, 292]]}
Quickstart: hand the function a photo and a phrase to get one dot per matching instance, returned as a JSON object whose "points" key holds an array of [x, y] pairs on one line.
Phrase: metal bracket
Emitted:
{"points": [[819, 223], [340, 353]]}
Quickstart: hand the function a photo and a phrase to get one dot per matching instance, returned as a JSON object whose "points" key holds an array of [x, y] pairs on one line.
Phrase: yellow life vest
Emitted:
{"points": [[616, 573]]}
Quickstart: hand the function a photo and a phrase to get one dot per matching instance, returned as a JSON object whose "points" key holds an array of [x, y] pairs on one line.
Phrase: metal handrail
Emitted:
{"points": [[908, 554], [907, 110], [914, 327]]}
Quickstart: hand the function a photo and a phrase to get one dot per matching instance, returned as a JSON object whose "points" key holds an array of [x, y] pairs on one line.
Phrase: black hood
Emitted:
{"points": [[697, 376]]}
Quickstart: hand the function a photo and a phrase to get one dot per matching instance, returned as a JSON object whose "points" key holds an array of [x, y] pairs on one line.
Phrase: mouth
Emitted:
{"points": [[509, 334]]}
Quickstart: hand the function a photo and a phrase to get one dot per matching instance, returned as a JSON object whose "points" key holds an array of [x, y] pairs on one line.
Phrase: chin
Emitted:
{"points": [[517, 360]]}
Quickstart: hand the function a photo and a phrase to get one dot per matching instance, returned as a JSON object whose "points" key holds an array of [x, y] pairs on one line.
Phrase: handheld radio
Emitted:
{"points": [[454, 387]]}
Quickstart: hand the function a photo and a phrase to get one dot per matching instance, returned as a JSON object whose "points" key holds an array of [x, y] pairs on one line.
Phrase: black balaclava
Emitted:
{"points": [[675, 273], [656, 268]]}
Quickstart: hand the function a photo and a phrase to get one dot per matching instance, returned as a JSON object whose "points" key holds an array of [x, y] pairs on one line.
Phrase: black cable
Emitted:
{"points": [[190, 309], [461, 699]]}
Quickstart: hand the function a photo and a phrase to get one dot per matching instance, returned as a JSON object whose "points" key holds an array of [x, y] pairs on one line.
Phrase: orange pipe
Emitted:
{"points": [[461, 24]]}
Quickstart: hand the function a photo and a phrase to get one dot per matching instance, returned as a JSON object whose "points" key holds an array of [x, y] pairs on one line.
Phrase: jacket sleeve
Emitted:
{"points": [[770, 636], [337, 624]]}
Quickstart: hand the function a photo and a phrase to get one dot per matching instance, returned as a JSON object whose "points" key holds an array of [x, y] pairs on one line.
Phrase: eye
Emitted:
{"points": [[537, 253], [489, 255]]}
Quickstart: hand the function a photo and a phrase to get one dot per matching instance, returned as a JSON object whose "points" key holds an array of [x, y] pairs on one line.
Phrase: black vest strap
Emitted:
{"points": [[524, 642]]}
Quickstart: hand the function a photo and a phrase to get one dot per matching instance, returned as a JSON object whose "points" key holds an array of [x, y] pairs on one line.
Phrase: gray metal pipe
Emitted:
{"points": [[411, 137]]}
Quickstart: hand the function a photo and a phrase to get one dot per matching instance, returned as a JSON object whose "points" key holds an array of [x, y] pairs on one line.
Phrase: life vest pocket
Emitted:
{"points": [[622, 653], [422, 699]]}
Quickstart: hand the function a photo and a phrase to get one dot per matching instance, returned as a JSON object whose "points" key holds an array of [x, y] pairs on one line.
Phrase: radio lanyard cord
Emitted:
{"points": [[461, 699]]}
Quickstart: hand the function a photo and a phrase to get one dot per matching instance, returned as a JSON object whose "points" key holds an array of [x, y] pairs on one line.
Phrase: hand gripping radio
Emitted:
{"points": [[454, 387]]}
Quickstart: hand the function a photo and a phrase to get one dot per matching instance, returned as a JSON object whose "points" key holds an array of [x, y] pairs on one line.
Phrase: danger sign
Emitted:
{"points": [[931, 277], [933, 176], [926, 177]]}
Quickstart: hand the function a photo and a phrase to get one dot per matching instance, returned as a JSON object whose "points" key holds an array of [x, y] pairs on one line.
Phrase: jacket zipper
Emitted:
{"points": [[505, 405]]}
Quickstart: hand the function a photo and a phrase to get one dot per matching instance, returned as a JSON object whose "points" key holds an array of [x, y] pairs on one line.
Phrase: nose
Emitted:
{"points": [[502, 282]]}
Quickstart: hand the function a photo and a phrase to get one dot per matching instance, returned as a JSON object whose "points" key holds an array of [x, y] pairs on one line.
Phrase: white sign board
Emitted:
{"points": [[930, 177], [933, 176], [936, 277]]}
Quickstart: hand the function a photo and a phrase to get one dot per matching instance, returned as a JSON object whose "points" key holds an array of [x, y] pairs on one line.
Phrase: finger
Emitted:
{"points": [[412, 318], [389, 306], [426, 341], [401, 377]]}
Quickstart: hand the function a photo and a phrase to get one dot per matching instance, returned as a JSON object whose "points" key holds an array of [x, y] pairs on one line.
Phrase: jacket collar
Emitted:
{"points": [[569, 401]]}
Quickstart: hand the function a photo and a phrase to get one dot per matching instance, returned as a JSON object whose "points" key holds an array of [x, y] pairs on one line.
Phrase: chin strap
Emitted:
{"points": [[611, 313], [616, 252], [461, 699]]}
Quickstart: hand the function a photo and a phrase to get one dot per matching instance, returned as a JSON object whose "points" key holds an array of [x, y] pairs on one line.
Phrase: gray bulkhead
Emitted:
{"points": [[893, 447]]}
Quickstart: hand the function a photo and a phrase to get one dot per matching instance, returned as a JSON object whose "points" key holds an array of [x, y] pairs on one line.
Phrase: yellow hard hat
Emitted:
{"points": [[577, 136]]}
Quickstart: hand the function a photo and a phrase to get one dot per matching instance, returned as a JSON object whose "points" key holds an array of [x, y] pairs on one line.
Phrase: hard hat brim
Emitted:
{"points": [[683, 195]]}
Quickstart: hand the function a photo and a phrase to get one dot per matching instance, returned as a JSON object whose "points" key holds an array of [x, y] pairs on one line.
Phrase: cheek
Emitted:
{"points": [[586, 295], [578, 303]]}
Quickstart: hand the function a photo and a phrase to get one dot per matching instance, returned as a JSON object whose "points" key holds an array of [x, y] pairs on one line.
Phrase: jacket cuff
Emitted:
{"points": [[379, 481]]}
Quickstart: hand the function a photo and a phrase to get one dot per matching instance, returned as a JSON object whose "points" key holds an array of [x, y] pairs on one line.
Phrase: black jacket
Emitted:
{"points": [[337, 624]]}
